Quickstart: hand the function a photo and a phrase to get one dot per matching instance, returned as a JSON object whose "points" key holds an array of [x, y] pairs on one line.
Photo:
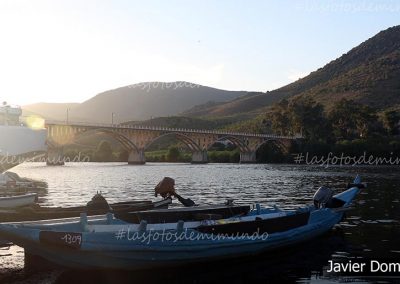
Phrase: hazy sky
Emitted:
{"points": [[68, 51]]}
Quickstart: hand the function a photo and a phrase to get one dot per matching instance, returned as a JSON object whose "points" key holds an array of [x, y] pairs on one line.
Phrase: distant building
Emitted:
{"points": [[10, 115]]}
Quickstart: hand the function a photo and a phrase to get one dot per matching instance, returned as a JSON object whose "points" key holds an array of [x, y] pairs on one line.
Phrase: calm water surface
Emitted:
{"points": [[371, 230]]}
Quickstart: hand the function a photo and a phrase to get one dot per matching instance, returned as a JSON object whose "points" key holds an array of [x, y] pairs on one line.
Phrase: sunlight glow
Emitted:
{"points": [[35, 122]]}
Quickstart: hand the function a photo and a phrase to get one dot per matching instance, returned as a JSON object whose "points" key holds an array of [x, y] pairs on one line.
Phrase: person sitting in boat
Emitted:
{"points": [[166, 188]]}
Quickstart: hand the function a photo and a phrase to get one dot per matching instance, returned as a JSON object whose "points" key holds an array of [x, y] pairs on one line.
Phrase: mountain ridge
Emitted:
{"points": [[137, 102], [368, 73]]}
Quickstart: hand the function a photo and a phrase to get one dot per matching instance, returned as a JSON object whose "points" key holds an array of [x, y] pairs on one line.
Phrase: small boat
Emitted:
{"points": [[18, 200], [108, 242], [97, 206]]}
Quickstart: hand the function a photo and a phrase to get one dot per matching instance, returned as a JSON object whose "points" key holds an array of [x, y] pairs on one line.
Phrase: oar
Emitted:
{"points": [[166, 189], [187, 202]]}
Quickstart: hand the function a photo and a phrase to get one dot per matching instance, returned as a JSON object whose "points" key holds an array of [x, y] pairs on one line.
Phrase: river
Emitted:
{"points": [[371, 230]]}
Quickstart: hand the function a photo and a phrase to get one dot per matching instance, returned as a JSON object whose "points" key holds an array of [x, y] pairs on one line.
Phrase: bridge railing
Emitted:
{"points": [[162, 128]]}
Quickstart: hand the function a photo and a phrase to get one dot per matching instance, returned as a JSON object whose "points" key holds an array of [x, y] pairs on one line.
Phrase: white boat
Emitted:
{"points": [[18, 200], [18, 141]]}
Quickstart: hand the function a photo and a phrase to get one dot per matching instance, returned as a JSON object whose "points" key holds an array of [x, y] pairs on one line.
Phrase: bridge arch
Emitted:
{"points": [[277, 142], [272, 150], [189, 142], [126, 143], [241, 144]]}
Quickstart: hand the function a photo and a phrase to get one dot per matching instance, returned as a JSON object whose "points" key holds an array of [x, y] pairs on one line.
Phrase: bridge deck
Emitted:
{"points": [[167, 129]]}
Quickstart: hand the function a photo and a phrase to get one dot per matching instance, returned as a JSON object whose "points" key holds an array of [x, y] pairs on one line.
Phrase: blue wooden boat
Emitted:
{"points": [[107, 242]]}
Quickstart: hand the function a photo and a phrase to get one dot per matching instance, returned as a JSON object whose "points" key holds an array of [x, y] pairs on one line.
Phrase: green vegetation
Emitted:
{"points": [[349, 127], [390, 121], [177, 122], [256, 125], [302, 116], [103, 153], [346, 121], [96, 148], [224, 156], [207, 123], [172, 155]]}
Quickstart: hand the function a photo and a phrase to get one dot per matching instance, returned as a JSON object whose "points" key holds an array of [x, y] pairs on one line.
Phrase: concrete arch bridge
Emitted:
{"points": [[136, 139]]}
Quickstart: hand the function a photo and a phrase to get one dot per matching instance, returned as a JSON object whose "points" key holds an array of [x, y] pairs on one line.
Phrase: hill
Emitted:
{"points": [[368, 73], [137, 102], [186, 122]]}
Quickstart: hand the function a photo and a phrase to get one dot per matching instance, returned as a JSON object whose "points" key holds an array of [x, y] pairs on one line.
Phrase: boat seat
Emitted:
{"points": [[207, 216], [182, 214], [272, 225]]}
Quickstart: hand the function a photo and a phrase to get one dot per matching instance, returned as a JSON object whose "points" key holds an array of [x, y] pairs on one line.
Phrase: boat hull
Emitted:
{"points": [[36, 212], [102, 250], [85, 245], [18, 201]]}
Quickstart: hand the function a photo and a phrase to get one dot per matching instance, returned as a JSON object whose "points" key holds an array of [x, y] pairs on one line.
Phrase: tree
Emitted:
{"points": [[300, 115], [341, 119], [365, 118], [104, 152], [352, 120], [280, 118], [391, 120], [308, 118], [173, 154]]}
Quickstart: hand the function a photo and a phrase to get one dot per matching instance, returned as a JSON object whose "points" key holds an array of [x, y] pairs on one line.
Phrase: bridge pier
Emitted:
{"points": [[55, 156], [136, 157], [200, 157], [248, 158]]}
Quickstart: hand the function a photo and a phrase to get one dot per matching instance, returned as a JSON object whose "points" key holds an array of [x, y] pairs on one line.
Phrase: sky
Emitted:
{"points": [[69, 51]]}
